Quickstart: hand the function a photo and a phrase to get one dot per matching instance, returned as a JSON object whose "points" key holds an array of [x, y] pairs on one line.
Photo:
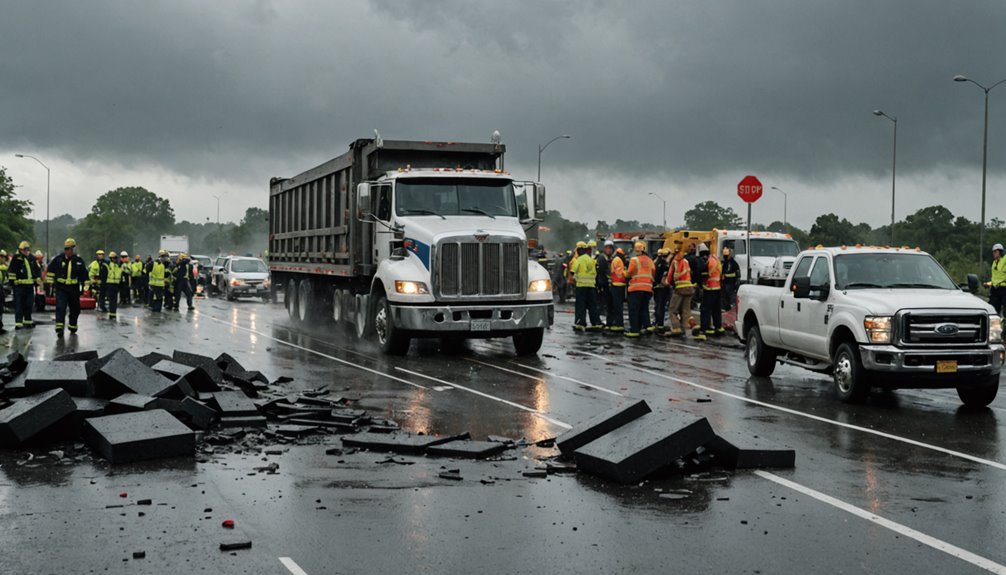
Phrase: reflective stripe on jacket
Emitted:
{"points": [[712, 282], [640, 274], [156, 274], [584, 271], [682, 274]]}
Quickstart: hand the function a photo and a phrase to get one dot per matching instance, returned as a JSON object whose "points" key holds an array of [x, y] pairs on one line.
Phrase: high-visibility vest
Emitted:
{"points": [[682, 274], [640, 274], [137, 269], [127, 269], [712, 282], [94, 271], [999, 273], [157, 274], [584, 271], [3, 273], [113, 275], [72, 267], [617, 272], [25, 277]]}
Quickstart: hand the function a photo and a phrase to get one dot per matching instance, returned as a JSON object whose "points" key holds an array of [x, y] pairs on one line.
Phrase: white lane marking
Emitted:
{"points": [[566, 378], [532, 410], [885, 435], [318, 353], [292, 566], [928, 540]]}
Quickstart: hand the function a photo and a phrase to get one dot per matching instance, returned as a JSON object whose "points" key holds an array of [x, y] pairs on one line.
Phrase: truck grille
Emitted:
{"points": [[925, 329], [489, 268]]}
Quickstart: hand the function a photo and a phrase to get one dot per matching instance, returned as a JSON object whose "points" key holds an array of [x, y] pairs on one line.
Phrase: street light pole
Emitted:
{"points": [[894, 165], [985, 163], [785, 202], [665, 208], [47, 181], [218, 206], [541, 149]]}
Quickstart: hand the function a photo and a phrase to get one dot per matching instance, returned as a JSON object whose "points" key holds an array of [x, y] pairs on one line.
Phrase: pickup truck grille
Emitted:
{"points": [[472, 269], [925, 329]]}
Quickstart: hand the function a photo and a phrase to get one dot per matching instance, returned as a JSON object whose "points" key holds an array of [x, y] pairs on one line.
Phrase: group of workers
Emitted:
{"points": [[157, 283], [606, 280]]}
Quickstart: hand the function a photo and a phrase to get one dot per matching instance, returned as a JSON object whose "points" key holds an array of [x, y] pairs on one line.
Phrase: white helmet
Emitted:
{"points": [[609, 243], [998, 247]]}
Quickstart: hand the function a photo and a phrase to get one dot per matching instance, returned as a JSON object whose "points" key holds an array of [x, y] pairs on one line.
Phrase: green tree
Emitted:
{"points": [[830, 230], [59, 230], [708, 215], [252, 234], [131, 218], [15, 226]]}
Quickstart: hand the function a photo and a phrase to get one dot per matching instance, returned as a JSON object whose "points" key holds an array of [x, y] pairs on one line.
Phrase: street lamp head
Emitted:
{"points": [[878, 113], [566, 136], [18, 155], [960, 78]]}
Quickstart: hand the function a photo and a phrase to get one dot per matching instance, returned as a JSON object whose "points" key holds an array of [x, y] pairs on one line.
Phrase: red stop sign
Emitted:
{"points": [[749, 189]]}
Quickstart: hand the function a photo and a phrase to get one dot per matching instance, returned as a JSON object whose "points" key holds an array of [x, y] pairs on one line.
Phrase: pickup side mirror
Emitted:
{"points": [[800, 287], [973, 283]]}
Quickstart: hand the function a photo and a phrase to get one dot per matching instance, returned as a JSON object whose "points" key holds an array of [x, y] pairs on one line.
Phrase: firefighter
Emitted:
{"points": [[69, 273], [660, 290], [169, 285], [731, 277], [585, 275], [616, 293], [4, 278], [997, 287], [680, 279], [127, 278], [25, 273], [137, 271], [183, 281], [39, 297], [640, 276], [93, 273], [602, 261], [156, 272], [110, 276], [710, 317]]}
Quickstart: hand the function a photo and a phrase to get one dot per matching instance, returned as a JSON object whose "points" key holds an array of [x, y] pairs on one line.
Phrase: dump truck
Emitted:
{"points": [[412, 239]]}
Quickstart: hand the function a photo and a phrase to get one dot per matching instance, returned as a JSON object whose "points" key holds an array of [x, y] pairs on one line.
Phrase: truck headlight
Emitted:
{"points": [[995, 329], [878, 328], [540, 286], [411, 288]]}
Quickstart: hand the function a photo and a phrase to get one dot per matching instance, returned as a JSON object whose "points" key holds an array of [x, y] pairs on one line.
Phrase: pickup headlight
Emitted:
{"points": [[411, 288], [265, 284], [878, 328], [540, 286], [995, 329], [236, 282]]}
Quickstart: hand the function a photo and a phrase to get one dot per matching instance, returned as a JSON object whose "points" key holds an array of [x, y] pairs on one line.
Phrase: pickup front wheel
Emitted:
{"points": [[980, 395], [760, 357], [851, 382]]}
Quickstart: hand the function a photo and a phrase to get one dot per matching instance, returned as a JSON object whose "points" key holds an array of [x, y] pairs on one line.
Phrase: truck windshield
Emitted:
{"points": [[454, 197], [890, 270], [761, 248]]}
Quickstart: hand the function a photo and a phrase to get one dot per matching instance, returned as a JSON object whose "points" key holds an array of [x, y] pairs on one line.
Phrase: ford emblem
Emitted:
{"points": [[947, 329]]}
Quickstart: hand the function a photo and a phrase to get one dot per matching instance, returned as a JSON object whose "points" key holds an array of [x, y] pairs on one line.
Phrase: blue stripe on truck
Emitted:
{"points": [[420, 249]]}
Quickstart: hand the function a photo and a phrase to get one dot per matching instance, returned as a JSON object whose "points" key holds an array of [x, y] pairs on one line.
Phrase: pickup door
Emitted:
{"points": [[790, 308], [813, 314]]}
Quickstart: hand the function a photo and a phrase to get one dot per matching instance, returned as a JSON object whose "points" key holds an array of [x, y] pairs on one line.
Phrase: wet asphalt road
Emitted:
{"points": [[909, 482]]}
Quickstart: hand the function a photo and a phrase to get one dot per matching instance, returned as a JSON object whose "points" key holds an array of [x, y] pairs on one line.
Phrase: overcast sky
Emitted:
{"points": [[682, 99]]}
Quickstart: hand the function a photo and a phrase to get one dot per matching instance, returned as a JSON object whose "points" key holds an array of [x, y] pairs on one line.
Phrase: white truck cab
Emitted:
{"points": [[771, 253], [875, 317]]}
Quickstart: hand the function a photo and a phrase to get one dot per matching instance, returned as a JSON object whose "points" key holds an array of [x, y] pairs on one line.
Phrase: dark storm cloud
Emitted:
{"points": [[238, 91]]}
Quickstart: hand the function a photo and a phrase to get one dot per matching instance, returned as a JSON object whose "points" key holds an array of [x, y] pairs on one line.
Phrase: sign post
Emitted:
{"points": [[749, 189]]}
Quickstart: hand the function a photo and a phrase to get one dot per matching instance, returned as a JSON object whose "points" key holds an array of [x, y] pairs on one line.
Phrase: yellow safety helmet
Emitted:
{"points": [[580, 245], [38, 253], [3, 253], [162, 253], [662, 252], [183, 255], [113, 255], [123, 255], [23, 246], [70, 243], [99, 253], [592, 244], [639, 247]]}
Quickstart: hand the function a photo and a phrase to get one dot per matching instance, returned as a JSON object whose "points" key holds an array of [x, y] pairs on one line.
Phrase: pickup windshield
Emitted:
{"points": [[455, 197], [890, 271]]}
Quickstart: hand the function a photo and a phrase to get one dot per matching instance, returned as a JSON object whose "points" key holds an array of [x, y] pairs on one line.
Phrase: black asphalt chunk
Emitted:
{"points": [[243, 421], [126, 374], [643, 446], [94, 365], [235, 545], [153, 358], [141, 435], [191, 412], [79, 356], [601, 424], [295, 430], [201, 361], [68, 375], [187, 378], [467, 449], [226, 360], [755, 455], [88, 407], [129, 402], [330, 425], [233, 404], [394, 442], [33, 415], [15, 362]]}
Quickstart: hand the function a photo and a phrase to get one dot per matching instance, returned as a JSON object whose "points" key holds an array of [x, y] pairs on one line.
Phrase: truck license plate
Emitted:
{"points": [[946, 366], [482, 325]]}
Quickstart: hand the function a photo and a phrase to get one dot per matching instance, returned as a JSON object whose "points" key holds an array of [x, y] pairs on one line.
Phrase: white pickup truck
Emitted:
{"points": [[875, 317]]}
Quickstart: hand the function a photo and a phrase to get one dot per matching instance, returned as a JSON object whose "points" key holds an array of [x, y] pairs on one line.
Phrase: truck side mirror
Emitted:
{"points": [[539, 200], [973, 283], [801, 287], [363, 210]]}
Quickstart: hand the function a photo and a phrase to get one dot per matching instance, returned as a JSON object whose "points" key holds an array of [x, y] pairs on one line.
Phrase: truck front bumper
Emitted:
{"points": [[474, 320], [891, 359]]}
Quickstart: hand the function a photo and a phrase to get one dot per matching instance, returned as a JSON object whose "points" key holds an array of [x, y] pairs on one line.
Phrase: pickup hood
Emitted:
{"points": [[891, 301], [428, 229]]}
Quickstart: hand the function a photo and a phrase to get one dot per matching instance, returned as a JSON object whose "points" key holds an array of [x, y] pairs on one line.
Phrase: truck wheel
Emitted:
{"points": [[305, 301], [529, 342], [851, 382], [980, 395], [290, 297], [760, 357], [390, 338]]}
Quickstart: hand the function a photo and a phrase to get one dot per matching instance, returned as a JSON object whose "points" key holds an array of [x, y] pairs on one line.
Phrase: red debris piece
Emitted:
{"points": [[123, 494], [229, 524]]}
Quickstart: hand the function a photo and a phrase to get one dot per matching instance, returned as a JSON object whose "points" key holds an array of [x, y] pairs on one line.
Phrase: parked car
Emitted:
{"points": [[875, 317], [216, 268], [244, 277]]}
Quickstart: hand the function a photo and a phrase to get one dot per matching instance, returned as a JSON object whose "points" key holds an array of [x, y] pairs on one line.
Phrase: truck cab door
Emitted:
{"points": [[384, 237], [530, 201], [791, 308]]}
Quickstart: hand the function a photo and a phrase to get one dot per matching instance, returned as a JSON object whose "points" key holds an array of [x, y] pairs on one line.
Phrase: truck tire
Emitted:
{"points": [[760, 358], [528, 342], [290, 297], [852, 382], [390, 338], [305, 301], [980, 395]]}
